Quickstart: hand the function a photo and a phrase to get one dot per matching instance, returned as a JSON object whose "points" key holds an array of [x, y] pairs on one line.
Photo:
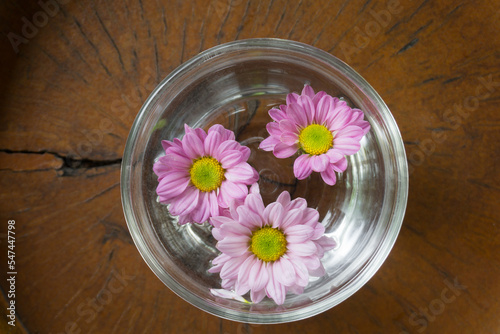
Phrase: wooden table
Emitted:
{"points": [[75, 74]]}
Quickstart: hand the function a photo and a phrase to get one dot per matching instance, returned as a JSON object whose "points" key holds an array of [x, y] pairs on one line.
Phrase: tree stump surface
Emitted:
{"points": [[75, 73]]}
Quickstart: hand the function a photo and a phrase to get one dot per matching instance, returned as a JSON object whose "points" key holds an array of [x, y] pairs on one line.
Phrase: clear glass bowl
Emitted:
{"points": [[235, 84]]}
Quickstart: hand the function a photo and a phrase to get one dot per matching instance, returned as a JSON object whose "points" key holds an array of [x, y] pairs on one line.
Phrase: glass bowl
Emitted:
{"points": [[235, 84]]}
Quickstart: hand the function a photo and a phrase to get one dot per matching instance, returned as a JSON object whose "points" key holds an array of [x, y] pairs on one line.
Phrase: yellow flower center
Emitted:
{"points": [[206, 173], [316, 139], [268, 243]]}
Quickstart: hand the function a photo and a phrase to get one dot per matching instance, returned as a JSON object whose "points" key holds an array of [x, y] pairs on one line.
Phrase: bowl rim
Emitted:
{"points": [[400, 197]]}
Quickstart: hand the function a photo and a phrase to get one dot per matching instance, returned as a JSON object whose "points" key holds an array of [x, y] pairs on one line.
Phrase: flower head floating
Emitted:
{"points": [[202, 173], [269, 250], [322, 128]]}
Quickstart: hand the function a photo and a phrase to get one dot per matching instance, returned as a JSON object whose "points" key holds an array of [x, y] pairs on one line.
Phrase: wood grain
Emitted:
{"points": [[68, 98]]}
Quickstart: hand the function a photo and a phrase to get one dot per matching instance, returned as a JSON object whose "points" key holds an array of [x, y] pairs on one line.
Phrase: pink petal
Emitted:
{"points": [[160, 169], [276, 291], [244, 272], [282, 150], [231, 267], [245, 153], [318, 272], [292, 217], [316, 100], [258, 276], [307, 91], [202, 212], [240, 173], [340, 165], [173, 184], [212, 142], [311, 217], [302, 167], [213, 204], [284, 199], [226, 146], [166, 144], [297, 114], [299, 233], [218, 221], [328, 175], [234, 246], [186, 203], [202, 135], [289, 138], [176, 161], [303, 249], [291, 98], [327, 243], [230, 158], [284, 272], [248, 218], [287, 125], [319, 162], [308, 108], [325, 104], [254, 202], [302, 274], [274, 214], [231, 190], [277, 114], [351, 131], [228, 295], [273, 128], [339, 118], [269, 143], [193, 146], [298, 203], [334, 155], [224, 133], [235, 229], [258, 295]]}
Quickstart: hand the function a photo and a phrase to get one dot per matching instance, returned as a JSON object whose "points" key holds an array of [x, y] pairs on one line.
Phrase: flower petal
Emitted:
{"points": [[269, 143], [230, 158], [186, 203], [277, 114], [324, 106], [319, 162], [258, 276], [299, 233], [284, 199], [193, 146], [307, 91], [302, 167], [284, 272], [282, 150], [212, 142], [273, 128], [241, 173], [173, 184], [297, 114], [291, 98], [248, 218], [291, 218], [303, 249], [274, 214], [287, 125], [289, 138], [308, 108], [218, 221], [276, 290], [234, 246], [328, 175]]}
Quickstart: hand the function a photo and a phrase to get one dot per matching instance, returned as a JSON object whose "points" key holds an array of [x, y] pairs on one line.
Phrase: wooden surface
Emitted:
{"points": [[68, 98]]}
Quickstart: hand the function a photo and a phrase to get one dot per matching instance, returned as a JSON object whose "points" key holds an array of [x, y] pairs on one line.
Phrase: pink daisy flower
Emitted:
{"points": [[202, 173], [269, 250], [322, 128]]}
